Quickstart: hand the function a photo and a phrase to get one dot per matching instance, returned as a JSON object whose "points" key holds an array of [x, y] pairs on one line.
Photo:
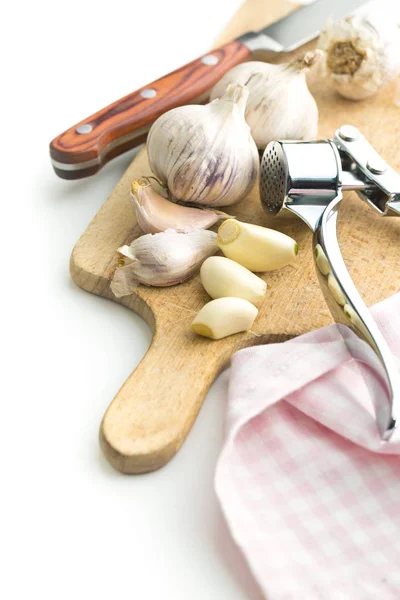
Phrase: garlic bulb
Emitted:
{"points": [[224, 316], [163, 259], [205, 154], [155, 213], [280, 105], [362, 53], [254, 247]]}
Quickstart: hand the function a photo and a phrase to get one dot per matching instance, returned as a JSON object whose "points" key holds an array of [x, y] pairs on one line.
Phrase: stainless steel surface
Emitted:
{"points": [[350, 181], [300, 178], [384, 182], [300, 26], [82, 129], [376, 165], [210, 59], [393, 209], [273, 178], [256, 41], [355, 314], [348, 133], [148, 93], [306, 179]]}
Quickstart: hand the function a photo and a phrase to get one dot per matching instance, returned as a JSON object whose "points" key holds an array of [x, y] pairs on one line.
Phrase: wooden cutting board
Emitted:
{"points": [[152, 413]]}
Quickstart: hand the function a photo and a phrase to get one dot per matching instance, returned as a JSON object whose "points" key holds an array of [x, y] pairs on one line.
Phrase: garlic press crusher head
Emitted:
{"points": [[306, 179]]}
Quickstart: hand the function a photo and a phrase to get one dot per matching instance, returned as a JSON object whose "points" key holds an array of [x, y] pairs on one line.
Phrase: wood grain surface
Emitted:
{"points": [[154, 410], [124, 124]]}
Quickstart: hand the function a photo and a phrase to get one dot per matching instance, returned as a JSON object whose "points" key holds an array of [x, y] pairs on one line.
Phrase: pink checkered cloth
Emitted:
{"points": [[310, 492]]}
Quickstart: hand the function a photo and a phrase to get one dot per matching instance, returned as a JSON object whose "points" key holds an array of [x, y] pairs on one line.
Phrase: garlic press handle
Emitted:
{"points": [[382, 191], [348, 308]]}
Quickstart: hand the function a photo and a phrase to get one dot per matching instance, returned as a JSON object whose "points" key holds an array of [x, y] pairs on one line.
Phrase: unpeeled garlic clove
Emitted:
{"points": [[224, 316], [222, 277], [256, 248], [205, 154], [280, 105], [163, 259], [155, 214], [362, 53]]}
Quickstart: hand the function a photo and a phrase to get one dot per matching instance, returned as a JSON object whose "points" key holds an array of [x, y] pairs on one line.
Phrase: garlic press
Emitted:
{"points": [[306, 179]]}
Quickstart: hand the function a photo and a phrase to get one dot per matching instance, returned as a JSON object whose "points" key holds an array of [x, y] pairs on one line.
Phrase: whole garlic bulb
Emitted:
{"points": [[205, 154], [362, 53], [280, 105]]}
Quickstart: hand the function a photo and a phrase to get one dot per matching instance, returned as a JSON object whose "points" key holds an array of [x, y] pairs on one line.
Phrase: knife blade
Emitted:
{"points": [[300, 26], [83, 149]]}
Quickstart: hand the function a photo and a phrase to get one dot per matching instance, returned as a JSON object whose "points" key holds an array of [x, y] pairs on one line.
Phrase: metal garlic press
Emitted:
{"points": [[306, 179]]}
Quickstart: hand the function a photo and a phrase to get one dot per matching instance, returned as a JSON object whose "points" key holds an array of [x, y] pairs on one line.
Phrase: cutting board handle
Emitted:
{"points": [[84, 148], [152, 413]]}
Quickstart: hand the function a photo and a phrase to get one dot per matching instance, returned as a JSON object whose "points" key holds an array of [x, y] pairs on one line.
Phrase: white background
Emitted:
{"points": [[73, 528]]}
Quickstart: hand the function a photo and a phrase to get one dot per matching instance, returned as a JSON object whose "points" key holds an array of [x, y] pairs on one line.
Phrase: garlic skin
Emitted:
{"points": [[155, 214], [205, 154], [256, 248], [362, 53], [162, 259], [280, 105], [224, 316], [222, 277]]}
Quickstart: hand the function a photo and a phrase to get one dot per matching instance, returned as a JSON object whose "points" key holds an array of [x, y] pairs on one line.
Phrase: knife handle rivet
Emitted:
{"points": [[349, 133], [210, 59], [377, 165], [148, 93], [86, 128]]}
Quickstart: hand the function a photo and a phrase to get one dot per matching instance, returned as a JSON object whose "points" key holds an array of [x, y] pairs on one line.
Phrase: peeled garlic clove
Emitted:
{"points": [[335, 290], [222, 277], [362, 53], [163, 259], [321, 260], [256, 248], [280, 105], [155, 213], [205, 154], [224, 316]]}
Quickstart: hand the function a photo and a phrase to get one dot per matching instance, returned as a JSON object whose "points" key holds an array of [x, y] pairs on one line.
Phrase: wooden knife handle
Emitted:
{"points": [[84, 148]]}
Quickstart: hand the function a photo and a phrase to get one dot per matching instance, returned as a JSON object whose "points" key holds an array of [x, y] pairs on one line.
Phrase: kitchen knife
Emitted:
{"points": [[84, 148]]}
